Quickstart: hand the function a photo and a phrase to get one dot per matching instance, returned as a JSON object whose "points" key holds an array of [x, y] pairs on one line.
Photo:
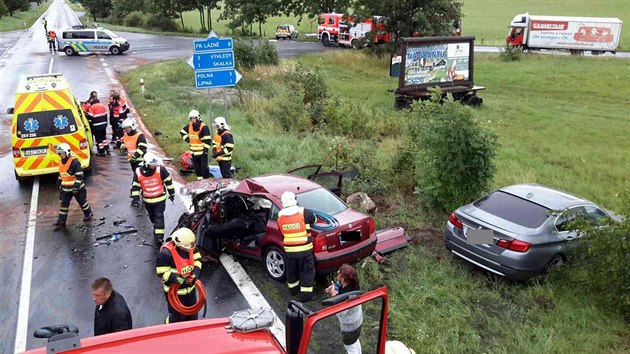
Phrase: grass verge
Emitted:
{"points": [[22, 19], [561, 122]]}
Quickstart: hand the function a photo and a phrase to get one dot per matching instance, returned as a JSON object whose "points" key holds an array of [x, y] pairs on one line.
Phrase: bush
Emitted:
{"points": [[449, 153], [267, 53], [511, 53], [600, 265], [155, 21], [134, 19], [249, 54]]}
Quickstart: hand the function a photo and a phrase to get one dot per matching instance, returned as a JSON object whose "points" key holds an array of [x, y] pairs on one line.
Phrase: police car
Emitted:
{"points": [[80, 39]]}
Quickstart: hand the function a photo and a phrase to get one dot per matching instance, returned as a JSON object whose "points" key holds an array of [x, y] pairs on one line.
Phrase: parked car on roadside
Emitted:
{"points": [[530, 226], [241, 217], [286, 32]]}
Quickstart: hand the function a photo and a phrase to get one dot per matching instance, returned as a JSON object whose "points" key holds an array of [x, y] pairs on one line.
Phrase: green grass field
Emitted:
{"points": [[489, 20], [22, 19], [561, 120]]}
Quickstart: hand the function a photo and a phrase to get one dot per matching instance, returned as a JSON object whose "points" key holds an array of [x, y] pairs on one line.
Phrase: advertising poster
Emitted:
{"points": [[437, 63]]}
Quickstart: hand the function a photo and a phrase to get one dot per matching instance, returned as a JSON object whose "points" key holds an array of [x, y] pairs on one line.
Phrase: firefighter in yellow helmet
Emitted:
{"points": [[134, 142], [294, 223], [179, 262], [70, 183], [222, 147], [197, 135]]}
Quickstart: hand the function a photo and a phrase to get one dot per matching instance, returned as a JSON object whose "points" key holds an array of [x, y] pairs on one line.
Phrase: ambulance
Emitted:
{"points": [[46, 114]]}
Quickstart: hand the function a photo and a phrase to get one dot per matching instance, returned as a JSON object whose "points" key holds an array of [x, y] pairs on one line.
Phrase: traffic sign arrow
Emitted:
{"points": [[217, 78]]}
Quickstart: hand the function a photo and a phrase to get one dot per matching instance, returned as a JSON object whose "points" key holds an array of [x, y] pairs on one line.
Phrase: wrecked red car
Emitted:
{"points": [[241, 216]]}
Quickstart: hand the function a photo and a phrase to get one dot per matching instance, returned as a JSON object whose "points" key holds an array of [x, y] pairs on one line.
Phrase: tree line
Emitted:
{"points": [[402, 17]]}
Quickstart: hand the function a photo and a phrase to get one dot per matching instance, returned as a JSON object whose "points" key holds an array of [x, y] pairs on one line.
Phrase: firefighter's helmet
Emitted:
{"points": [[194, 114], [184, 238], [288, 199], [221, 123], [129, 123], [63, 147], [150, 160]]}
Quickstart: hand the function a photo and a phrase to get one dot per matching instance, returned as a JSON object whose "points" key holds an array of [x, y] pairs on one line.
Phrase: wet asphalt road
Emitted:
{"points": [[65, 263]]}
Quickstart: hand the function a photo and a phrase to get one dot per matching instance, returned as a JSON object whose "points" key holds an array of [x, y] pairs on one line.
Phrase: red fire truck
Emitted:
{"points": [[247, 331], [346, 31]]}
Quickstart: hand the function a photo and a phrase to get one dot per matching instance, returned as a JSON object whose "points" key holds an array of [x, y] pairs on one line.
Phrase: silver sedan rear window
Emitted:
{"points": [[513, 209]]}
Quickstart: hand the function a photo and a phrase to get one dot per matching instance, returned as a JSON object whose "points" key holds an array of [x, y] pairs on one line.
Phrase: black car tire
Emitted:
{"points": [[274, 261], [21, 179], [555, 262], [115, 50], [325, 40], [69, 51]]}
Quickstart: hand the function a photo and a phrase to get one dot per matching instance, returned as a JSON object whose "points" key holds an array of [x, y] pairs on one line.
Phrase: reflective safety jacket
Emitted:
{"points": [[173, 261], [198, 139], [295, 227], [70, 174], [223, 145], [97, 115], [150, 184], [119, 107], [136, 145]]}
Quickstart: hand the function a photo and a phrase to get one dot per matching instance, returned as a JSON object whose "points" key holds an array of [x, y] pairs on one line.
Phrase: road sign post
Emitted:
{"points": [[213, 61]]}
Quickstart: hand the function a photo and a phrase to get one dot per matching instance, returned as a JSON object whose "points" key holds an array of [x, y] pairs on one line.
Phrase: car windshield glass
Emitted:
{"points": [[112, 34], [322, 200], [514, 209], [45, 123]]}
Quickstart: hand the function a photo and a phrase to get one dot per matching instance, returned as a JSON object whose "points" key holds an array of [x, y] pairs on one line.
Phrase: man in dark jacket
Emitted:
{"points": [[111, 313]]}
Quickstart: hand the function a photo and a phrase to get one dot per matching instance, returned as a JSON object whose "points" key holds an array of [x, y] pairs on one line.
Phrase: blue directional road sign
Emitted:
{"points": [[213, 60], [217, 78], [212, 43]]}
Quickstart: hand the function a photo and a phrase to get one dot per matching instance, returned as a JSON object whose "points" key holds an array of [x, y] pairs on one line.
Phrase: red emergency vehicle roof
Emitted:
{"points": [[203, 336]]}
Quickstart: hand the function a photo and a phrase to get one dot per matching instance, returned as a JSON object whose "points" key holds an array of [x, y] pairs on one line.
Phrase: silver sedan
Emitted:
{"points": [[519, 231]]}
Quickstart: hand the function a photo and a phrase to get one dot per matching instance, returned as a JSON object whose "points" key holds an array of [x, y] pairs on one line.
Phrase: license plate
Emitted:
{"points": [[35, 152]]}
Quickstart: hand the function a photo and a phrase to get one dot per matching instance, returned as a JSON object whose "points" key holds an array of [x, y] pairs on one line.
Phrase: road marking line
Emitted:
{"points": [[27, 270], [50, 66], [104, 64], [250, 292]]}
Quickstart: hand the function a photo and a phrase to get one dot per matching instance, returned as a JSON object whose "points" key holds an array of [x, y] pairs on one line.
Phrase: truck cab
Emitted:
{"points": [[248, 331], [518, 28]]}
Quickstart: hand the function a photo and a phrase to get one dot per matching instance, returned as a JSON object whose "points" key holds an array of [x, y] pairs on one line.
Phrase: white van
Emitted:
{"points": [[80, 39]]}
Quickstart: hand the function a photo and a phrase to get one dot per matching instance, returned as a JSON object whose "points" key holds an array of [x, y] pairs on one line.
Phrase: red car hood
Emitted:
{"points": [[207, 185], [203, 336]]}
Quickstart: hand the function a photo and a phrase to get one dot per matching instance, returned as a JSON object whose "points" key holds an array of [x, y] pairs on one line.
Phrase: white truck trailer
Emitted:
{"points": [[576, 34]]}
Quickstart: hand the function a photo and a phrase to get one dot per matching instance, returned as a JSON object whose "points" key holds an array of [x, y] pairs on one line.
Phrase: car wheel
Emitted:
{"points": [[21, 180], [355, 44], [556, 262], [115, 50], [274, 260], [277, 37], [325, 40], [69, 51]]}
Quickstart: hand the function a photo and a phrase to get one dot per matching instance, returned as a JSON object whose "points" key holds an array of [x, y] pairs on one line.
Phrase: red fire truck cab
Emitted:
{"points": [[346, 31], [244, 332]]}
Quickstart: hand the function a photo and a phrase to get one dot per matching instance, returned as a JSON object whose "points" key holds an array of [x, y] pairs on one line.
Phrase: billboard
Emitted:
{"points": [[436, 61]]}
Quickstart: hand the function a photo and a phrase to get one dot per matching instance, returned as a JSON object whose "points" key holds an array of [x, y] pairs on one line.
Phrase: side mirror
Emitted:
{"points": [[10, 110]]}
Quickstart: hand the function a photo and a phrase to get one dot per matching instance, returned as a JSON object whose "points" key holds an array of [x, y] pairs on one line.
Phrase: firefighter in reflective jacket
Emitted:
{"points": [[151, 181], [197, 135], [179, 261], [134, 143], [97, 116], [119, 111], [294, 223], [70, 182], [222, 147]]}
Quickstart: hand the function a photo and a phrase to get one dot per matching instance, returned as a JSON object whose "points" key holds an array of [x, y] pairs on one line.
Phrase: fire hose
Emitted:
{"points": [[173, 299], [331, 221]]}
